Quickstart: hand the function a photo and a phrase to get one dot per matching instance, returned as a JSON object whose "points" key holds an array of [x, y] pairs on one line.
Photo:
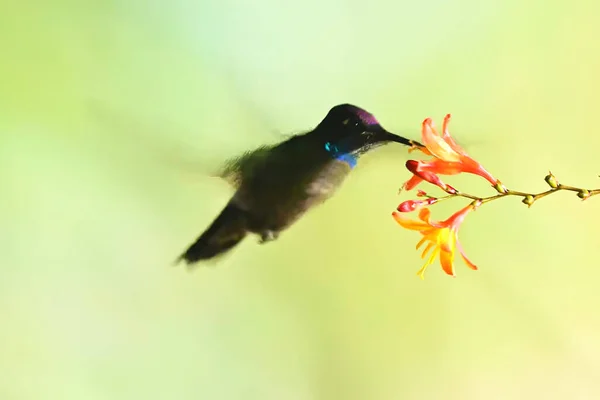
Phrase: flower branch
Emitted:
{"points": [[528, 198], [450, 159]]}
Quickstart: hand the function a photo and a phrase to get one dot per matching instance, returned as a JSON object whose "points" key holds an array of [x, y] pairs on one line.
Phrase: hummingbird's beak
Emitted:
{"points": [[382, 136]]}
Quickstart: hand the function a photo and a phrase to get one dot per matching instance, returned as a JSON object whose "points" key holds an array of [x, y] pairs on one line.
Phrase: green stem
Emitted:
{"points": [[583, 193]]}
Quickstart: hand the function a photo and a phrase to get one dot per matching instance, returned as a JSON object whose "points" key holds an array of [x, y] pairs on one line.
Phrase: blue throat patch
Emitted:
{"points": [[348, 158]]}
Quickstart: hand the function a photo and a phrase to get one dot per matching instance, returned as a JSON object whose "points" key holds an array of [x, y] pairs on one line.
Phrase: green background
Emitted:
{"points": [[113, 115]]}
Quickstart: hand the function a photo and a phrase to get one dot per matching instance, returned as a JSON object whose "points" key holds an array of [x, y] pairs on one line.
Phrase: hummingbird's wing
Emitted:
{"points": [[237, 169], [135, 133], [132, 132]]}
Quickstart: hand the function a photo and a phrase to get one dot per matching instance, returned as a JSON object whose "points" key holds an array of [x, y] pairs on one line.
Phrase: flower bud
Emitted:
{"points": [[412, 205], [529, 200], [415, 167], [500, 188], [476, 203], [450, 189], [408, 206], [583, 194], [551, 180], [421, 193], [412, 165]]}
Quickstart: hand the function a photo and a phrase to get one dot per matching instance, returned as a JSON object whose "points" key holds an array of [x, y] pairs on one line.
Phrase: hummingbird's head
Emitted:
{"points": [[354, 131]]}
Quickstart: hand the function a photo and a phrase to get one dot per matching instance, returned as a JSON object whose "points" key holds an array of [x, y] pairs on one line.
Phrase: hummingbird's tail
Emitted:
{"points": [[226, 231]]}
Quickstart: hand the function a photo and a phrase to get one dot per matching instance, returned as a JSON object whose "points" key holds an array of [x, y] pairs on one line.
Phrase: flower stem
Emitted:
{"points": [[528, 198]]}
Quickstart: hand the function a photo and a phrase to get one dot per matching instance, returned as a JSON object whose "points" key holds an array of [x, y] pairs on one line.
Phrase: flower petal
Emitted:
{"points": [[430, 235], [412, 182], [442, 167], [409, 223], [424, 215], [457, 218], [473, 167], [428, 170], [423, 240], [447, 261], [448, 248], [448, 139], [436, 145], [432, 178], [464, 257]]}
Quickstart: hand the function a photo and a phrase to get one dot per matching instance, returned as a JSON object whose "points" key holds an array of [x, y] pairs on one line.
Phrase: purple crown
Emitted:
{"points": [[365, 117]]}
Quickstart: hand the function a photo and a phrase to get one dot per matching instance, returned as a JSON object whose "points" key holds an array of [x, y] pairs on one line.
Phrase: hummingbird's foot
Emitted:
{"points": [[268, 236]]}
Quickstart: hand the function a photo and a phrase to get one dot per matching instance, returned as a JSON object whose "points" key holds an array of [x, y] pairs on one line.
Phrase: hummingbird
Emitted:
{"points": [[277, 184]]}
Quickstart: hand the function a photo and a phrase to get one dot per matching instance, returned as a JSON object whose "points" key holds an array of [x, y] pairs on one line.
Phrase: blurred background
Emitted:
{"points": [[114, 115]]}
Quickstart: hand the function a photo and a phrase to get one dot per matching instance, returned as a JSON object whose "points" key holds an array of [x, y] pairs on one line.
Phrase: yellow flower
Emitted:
{"points": [[441, 238]]}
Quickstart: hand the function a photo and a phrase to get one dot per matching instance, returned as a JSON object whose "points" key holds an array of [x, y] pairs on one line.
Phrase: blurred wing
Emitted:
{"points": [[128, 131], [468, 144], [237, 169]]}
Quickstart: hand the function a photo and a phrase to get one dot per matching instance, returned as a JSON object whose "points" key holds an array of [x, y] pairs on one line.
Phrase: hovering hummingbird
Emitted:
{"points": [[277, 184]]}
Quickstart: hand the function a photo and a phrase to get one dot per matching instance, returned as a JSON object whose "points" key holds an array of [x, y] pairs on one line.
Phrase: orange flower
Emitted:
{"points": [[449, 159], [442, 237]]}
